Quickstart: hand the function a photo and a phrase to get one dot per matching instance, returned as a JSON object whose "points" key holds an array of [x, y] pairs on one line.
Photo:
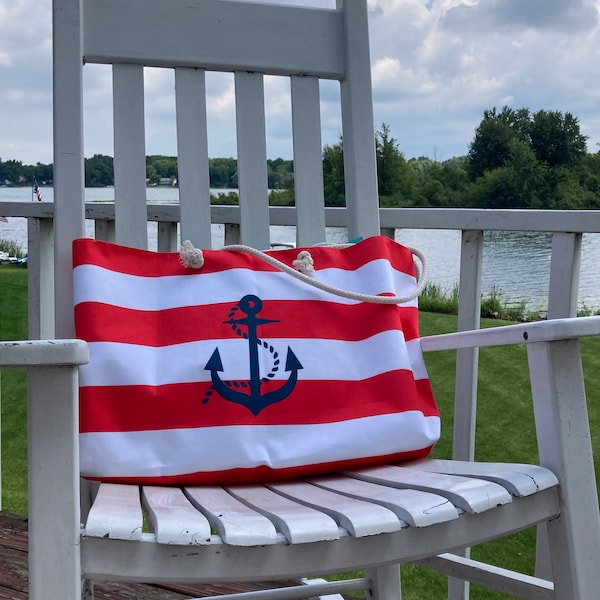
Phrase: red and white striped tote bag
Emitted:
{"points": [[235, 371]]}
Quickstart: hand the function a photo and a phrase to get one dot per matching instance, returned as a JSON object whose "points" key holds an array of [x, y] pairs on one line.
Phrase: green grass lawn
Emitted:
{"points": [[505, 429], [13, 326]]}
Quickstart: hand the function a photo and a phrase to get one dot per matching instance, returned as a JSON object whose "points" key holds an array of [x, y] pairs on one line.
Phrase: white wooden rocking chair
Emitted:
{"points": [[253, 532]]}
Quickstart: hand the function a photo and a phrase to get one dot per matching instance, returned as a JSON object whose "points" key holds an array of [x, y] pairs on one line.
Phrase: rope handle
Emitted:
{"points": [[192, 257]]}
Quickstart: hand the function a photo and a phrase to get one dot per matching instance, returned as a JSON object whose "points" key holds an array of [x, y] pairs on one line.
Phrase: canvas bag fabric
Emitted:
{"points": [[237, 372]]}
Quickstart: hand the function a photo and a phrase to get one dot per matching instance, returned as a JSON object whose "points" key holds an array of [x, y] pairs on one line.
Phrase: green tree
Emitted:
{"points": [[159, 166], [333, 175], [522, 182], [99, 171], [433, 193], [444, 184], [490, 147], [43, 173], [390, 162], [12, 172], [588, 175], [519, 159], [280, 174], [223, 172], [530, 176], [556, 139], [396, 179], [152, 175]]}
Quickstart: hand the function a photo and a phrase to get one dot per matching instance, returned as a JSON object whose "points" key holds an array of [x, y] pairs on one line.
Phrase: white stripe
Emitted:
{"points": [[128, 364], [175, 452], [96, 284]]}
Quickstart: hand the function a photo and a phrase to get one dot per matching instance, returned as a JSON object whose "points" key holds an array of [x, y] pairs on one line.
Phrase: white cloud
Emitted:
{"points": [[392, 81], [220, 93], [437, 64], [494, 15]]}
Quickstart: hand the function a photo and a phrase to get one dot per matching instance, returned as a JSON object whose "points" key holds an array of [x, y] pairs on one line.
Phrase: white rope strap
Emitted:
{"points": [[192, 257]]}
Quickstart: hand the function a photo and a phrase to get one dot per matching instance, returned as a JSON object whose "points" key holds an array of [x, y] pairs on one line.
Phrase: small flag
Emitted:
{"points": [[36, 190], [3, 220]]}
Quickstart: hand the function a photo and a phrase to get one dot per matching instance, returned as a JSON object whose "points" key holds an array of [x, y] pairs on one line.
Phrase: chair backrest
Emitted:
{"points": [[193, 36]]}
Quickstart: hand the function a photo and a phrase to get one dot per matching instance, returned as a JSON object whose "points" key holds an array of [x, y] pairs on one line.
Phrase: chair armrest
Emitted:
{"points": [[540, 331], [43, 353], [560, 410]]}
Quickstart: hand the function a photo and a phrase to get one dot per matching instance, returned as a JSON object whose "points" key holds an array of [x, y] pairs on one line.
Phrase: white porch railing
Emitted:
{"points": [[566, 228]]}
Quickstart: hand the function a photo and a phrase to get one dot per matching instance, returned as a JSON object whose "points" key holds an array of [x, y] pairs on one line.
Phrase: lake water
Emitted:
{"points": [[517, 264]]}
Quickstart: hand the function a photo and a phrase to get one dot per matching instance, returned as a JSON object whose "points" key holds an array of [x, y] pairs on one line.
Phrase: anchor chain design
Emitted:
{"points": [[267, 346], [254, 401]]}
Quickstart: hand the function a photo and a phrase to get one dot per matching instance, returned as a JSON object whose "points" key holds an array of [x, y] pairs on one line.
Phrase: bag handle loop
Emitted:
{"points": [[192, 257]]}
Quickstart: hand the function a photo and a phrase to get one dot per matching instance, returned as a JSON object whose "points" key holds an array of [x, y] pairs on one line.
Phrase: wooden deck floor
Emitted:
{"points": [[13, 573]]}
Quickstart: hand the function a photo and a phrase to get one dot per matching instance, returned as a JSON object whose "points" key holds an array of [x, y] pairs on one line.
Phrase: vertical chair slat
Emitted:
{"points": [[252, 159], [360, 169], [308, 163], [192, 161], [130, 155]]}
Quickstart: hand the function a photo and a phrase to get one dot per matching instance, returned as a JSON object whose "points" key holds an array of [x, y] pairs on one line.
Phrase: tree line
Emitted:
{"points": [[516, 159], [160, 170]]}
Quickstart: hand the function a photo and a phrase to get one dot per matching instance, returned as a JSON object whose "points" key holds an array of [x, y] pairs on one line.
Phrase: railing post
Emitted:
{"points": [[104, 230], [40, 278], [232, 233], [469, 309], [467, 359], [564, 441], [167, 236], [388, 232], [562, 302], [564, 275]]}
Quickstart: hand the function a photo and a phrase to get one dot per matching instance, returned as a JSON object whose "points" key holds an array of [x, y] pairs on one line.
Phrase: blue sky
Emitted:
{"points": [[437, 65]]}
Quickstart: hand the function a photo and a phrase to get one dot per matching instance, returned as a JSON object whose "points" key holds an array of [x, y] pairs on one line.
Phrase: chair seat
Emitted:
{"points": [[419, 505]]}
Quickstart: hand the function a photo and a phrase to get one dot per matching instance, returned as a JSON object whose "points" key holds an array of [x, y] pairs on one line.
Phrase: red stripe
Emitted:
{"points": [[96, 322], [145, 263], [264, 473], [146, 408]]}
